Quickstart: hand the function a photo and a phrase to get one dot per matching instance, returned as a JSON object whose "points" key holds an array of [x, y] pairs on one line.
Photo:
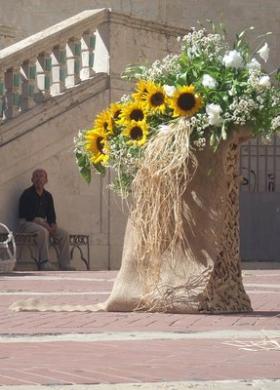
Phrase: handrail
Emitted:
{"points": [[52, 61], [57, 34]]}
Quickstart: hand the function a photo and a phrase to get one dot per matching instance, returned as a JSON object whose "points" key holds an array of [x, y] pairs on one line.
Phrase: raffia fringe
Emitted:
{"points": [[158, 207]]}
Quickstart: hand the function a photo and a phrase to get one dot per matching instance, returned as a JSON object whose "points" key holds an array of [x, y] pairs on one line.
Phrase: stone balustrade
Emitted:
{"points": [[52, 61]]}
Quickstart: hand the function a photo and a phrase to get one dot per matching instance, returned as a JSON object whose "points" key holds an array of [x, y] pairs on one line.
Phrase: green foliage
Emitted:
{"points": [[229, 81]]}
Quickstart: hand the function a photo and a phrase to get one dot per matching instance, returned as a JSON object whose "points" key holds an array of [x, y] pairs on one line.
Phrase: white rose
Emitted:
{"points": [[213, 111], [253, 64], [208, 81], [233, 59], [264, 81], [169, 90], [264, 52]]}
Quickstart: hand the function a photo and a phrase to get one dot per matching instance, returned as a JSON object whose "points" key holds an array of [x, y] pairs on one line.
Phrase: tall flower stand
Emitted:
{"points": [[202, 273]]}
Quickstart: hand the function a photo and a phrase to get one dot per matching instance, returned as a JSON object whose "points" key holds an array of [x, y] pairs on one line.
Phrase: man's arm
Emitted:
{"points": [[51, 215]]}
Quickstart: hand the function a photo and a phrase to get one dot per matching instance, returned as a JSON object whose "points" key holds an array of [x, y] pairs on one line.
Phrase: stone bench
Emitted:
{"points": [[78, 242]]}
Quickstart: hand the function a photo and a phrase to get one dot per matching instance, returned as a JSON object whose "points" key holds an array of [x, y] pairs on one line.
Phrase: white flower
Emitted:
{"points": [[264, 81], [164, 129], [253, 64], [275, 123], [264, 52], [208, 81], [233, 59], [213, 111], [169, 90], [260, 99]]}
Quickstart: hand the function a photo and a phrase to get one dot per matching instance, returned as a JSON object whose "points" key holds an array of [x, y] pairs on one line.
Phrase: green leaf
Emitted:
{"points": [[100, 169], [86, 173]]}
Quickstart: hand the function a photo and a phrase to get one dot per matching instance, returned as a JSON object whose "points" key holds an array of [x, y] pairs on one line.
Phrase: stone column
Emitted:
{"points": [[58, 71], [12, 98], [2, 95], [73, 54], [43, 68], [87, 55], [28, 73]]}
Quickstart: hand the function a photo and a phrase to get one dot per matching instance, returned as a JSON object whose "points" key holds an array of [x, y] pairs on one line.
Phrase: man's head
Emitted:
{"points": [[39, 178]]}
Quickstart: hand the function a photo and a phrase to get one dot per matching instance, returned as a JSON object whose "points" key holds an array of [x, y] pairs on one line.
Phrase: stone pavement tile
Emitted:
{"points": [[117, 361], [130, 361], [185, 385], [48, 322]]}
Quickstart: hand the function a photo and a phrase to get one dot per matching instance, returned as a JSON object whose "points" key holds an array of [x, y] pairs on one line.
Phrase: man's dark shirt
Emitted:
{"points": [[32, 205]]}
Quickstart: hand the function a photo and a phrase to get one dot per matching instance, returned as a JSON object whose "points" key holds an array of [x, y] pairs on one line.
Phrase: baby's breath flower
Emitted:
{"points": [[275, 123]]}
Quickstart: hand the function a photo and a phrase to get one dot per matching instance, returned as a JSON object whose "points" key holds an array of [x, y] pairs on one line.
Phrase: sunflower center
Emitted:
{"points": [[186, 101], [136, 133], [99, 144], [137, 115], [157, 99]]}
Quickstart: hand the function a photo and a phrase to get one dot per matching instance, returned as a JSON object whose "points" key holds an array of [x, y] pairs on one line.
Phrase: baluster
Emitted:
{"points": [[2, 96], [92, 46], [43, 68], [13, 98], [28, 72], [63, 68], [17, 85], [58, 65], [87, 55], [32, 86], [73, 53]]}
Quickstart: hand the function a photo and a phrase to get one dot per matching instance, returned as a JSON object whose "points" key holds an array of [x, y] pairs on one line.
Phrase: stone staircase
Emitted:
{"points": [[51, 85]]}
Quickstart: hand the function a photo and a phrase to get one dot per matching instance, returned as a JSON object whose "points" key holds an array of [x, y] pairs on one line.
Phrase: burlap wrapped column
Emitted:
{"points": [[203, 273]]}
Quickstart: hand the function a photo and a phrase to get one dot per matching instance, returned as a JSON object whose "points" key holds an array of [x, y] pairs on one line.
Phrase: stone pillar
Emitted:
{"points": [[58, 71], [101, 52], [28, 72], [43, 68], [12, 98], [73, 54], [87, 55], [2, 96]]}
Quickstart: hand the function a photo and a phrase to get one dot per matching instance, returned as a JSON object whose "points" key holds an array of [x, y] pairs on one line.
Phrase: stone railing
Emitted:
{"points": [[52, 61]]}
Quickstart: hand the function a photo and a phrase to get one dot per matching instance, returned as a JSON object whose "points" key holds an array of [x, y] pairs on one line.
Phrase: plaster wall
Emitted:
{"points": [[81, 208], [128, 44], [25, 17], [48, 142]]}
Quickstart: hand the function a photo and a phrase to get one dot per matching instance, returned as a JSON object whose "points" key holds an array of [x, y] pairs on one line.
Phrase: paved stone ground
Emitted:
{"points": [[125, 351]]}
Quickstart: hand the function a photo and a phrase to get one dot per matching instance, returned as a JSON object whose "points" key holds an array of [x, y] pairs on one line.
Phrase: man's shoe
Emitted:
{"points": [[46, 266], [67, 267]]}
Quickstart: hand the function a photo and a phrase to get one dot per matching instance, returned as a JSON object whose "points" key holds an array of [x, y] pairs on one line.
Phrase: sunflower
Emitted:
{"points": [[104, 122], [115, 110], [141, 89], [96, 145], [133, 111], [185, 102], [137, 133], [155, 98]]}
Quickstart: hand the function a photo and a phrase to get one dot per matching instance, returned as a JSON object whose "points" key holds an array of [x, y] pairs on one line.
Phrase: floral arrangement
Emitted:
{"points": [[209, 84]]}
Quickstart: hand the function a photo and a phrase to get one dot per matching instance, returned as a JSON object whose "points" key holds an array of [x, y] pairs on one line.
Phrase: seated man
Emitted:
{"points": [[37, 215]]}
